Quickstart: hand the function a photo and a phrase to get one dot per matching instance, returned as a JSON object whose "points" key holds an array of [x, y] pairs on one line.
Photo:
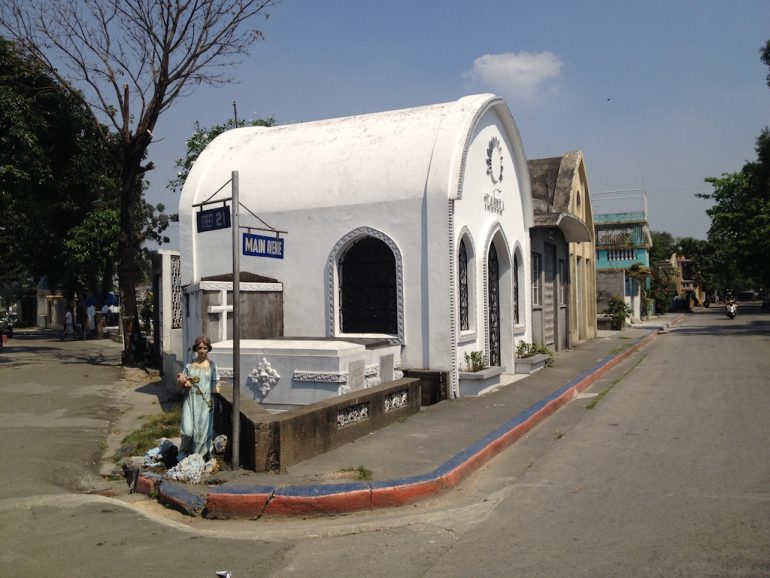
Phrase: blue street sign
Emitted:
{"points": [[213, 219], [260, 246]]}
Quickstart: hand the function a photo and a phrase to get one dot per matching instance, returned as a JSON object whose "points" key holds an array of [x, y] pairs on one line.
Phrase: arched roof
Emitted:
{"points": [[400, 154]]}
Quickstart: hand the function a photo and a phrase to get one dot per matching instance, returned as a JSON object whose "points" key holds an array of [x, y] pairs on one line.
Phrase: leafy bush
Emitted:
{"points": [[476, 361], [524, 350], [619, 311]]}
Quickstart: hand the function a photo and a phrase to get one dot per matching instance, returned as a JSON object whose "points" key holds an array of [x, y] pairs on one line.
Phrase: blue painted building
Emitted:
{"points": [[623, 245]]}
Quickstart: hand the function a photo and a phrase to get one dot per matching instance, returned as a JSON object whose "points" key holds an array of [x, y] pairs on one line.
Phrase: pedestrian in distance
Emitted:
{"points": [[200, 379], [69, 328]]}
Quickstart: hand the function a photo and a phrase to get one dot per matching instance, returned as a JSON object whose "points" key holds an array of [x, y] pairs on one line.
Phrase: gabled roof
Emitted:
{"points": [[552, 182]]}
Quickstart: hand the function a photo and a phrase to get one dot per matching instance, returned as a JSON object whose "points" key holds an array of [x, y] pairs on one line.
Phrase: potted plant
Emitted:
{"points": [[475, 361], [619, 311], [478, 375], [532, 356]]}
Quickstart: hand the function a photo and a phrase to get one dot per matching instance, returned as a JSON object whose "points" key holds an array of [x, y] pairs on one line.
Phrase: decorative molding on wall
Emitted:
{"points": [[332, 376], [228, 286], [320, 376], [352, 414], [396, 400], [454, 381], [467, 337], [264, 376]]}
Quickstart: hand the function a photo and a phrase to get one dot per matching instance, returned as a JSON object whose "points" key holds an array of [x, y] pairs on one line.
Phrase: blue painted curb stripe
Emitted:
{"points": [[243, 489], [314, 491], [180, 494]]}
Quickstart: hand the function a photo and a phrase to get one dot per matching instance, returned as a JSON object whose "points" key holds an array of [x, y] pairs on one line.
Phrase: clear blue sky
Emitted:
{"points": [[656, 93]]}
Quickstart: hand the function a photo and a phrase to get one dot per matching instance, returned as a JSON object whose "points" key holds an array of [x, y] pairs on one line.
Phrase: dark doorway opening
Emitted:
{"points": [[368, 300]]}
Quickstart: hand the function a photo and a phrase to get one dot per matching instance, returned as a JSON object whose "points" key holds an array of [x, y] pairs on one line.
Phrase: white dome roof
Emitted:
{"points": [[342, 161]]}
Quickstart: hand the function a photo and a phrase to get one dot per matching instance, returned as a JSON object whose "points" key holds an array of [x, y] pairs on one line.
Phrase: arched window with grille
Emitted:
{"points": [[516, 289], [462, 265], [368, 291]]}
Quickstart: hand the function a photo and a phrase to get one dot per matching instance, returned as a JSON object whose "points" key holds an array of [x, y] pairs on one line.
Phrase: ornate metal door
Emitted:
{"points": [[493, 297]]}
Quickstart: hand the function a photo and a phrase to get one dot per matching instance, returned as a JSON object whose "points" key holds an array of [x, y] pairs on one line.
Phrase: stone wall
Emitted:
{"points": [[608, 284], [273, 442]]}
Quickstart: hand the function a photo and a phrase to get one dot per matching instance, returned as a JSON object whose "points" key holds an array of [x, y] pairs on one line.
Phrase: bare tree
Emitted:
{"points": [[128, 61]]}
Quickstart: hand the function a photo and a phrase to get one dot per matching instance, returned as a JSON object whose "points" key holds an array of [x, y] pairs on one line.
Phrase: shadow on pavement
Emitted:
{"points": [[167, 400]]}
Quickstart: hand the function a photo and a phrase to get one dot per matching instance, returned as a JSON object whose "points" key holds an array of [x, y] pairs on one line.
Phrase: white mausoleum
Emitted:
{"points": [[409, 225]]}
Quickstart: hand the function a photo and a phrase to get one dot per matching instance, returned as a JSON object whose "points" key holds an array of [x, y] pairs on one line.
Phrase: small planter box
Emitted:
{"points": [[472, 382], [605, 323], [531, 364]]}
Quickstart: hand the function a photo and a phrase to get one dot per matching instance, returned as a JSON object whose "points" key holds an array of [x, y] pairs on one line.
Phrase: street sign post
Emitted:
{"points": [[213, 219], [261, 246], [254, 245]]}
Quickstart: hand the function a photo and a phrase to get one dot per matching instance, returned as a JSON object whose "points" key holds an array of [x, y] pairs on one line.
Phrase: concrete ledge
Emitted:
{"points": [[530, 364], [472, 382], [272, 443]]}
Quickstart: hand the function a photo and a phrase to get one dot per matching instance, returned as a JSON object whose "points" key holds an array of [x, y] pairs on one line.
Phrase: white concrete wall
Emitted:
{"points": [[417, 177]]}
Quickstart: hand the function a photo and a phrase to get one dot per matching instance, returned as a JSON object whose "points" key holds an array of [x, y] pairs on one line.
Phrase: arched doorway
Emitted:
{"points": [[368, 288], [498, 301]]}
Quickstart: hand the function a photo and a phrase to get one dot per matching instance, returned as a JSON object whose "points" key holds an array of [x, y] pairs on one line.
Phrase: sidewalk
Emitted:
{"points": [[427, 453]]}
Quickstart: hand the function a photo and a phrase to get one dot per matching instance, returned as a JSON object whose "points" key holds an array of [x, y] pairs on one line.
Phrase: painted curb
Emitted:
{"points": [[177, 496], [255, 501]]}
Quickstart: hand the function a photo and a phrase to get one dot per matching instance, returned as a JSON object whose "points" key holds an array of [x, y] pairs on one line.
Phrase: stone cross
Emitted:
{"points": [[222, 310]]}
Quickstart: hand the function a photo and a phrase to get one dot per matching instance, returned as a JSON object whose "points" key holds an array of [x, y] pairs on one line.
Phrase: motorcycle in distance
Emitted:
{"points": [[731, 308]]}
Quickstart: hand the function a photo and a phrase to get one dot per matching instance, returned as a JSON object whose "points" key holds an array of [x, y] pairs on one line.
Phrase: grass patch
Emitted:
{"points": [[620, 349], [595, 401], [165, 425], [360, 473]]}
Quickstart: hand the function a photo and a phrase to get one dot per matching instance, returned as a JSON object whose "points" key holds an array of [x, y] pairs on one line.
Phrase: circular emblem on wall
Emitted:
{"points": [[495, 160]]}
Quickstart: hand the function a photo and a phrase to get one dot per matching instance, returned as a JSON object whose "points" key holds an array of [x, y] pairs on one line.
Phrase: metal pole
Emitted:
{"points": [[236, 326]]}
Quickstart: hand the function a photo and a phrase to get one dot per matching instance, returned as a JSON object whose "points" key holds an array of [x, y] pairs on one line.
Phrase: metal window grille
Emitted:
{"points": [[537, 267], [176, 292], [463, 267]]}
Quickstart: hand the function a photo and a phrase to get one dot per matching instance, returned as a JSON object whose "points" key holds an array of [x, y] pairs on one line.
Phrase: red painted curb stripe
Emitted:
{"points": [[145, 485], [226, 506], [282, 505]]}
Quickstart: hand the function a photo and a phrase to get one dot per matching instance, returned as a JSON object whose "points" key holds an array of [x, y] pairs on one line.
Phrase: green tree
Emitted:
{"points": [[52, 167], [740, 217], [91, 266], [663, 245], [740, 229], [128, 61], [200, 139]]}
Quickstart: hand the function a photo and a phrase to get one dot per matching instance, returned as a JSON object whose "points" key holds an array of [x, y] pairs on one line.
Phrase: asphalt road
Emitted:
{"points": [[668, 475]]}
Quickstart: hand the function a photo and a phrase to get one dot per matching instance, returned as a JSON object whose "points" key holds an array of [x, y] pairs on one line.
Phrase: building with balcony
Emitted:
{"points": [[623, 245]]}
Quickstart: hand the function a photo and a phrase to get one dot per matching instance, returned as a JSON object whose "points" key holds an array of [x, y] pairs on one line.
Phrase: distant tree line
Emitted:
{"points": [[58, 212], [740, 218]]}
